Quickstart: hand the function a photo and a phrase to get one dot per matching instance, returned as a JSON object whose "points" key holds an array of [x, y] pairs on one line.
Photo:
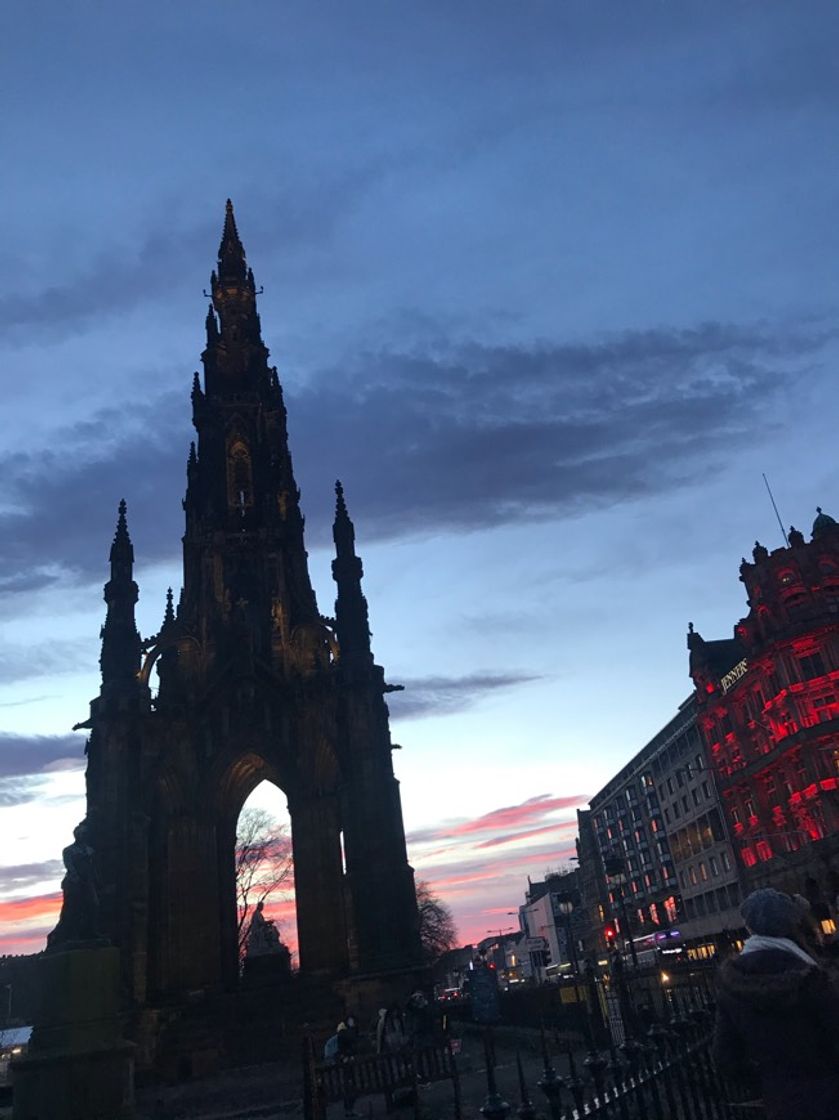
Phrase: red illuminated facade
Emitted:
{"points": [[768, 709]]}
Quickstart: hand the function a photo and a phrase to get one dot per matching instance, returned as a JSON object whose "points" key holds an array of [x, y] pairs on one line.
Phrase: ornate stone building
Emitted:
{"points": [[768, 708], [254, 683]]}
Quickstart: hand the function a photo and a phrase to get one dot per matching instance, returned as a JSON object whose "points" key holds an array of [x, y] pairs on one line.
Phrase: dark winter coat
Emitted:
{"points": [[778, 1024]]}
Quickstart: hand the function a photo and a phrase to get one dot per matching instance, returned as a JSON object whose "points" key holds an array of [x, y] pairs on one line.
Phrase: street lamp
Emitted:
{"points": [[566, 905], [615, 869]]}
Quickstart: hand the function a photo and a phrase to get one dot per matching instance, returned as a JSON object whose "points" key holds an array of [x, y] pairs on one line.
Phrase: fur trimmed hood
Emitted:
{"points": [[771, 980]]}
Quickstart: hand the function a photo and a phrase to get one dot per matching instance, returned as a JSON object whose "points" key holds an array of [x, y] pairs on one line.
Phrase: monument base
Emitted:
{"points": [[75, 1085], [77, 1066], [365, 993], [268, 968]]}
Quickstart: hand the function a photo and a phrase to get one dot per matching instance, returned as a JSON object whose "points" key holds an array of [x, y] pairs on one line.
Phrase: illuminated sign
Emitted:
{"points": [[733, 676]]}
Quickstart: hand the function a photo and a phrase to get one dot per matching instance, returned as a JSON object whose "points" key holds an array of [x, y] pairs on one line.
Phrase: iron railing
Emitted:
{"points": [[647, 1058]]}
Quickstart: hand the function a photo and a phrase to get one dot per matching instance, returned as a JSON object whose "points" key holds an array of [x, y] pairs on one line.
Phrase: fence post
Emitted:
{"points": [[627, 1011], [550, 1083], [616, 1068], [573, 1083], [595, 1011], [458, 1110], [494, 1107], [311, 1103], [525, 1111]]}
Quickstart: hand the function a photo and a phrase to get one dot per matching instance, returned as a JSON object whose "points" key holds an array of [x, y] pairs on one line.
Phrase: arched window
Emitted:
{"points": [[239, 477]]}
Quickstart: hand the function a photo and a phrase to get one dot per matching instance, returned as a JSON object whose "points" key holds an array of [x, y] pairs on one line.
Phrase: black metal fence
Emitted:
{"points": [[643, 1054]]}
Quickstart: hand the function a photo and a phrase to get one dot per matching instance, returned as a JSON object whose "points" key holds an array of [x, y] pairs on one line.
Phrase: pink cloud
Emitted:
{"points": [[24, 909], [509, 816], [559, 827]]}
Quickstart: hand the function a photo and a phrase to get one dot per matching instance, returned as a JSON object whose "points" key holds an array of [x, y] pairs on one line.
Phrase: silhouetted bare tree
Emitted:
{"points": [[438, 932]]}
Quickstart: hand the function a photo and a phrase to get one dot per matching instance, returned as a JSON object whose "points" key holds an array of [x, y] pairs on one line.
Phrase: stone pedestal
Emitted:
{"points": [[364, 994], [77, 1067]]}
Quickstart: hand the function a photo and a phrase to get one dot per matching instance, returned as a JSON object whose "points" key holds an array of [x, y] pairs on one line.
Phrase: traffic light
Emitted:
{"points": [[610, 934]]}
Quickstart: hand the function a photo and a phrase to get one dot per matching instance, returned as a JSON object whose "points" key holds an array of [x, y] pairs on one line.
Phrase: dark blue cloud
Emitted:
{"points": [[467, 437]]}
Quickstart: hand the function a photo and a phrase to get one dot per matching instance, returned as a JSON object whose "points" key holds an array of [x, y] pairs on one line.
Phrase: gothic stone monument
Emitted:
{"points": [[254, 683]]}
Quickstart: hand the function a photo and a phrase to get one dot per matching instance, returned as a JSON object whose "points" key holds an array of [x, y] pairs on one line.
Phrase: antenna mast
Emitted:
{"points": [[772, 500]]}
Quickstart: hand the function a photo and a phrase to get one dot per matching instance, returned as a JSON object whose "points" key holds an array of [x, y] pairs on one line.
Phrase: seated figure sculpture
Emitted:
{"points": [[264, 940], [79, 920]]}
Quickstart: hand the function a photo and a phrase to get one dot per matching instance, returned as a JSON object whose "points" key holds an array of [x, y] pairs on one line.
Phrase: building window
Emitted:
{"points": [[685, 804], [715, 867], [822, 707], [703, 871], [692, 873], [667, 811], [698, 763], [677, 812], [706, 790], [670, 786], [748, 856], [725, 861], [695, 795], [811, 666]]}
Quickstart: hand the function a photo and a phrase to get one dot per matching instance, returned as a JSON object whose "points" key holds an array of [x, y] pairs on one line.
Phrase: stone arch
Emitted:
{"points": [[314, 809], [239, 473]]}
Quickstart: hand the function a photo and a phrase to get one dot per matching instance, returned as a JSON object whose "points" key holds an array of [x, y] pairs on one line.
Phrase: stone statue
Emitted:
{"points": [[795, 538], [263, 935], [79, 920]]}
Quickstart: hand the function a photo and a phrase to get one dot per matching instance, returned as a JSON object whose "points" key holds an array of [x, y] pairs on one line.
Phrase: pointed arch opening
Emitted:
{"points": [[266, 909], [239, 476]]}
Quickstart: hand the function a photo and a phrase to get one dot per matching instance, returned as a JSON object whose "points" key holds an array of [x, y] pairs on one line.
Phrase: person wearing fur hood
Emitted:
{"points": [[777, 1021]]}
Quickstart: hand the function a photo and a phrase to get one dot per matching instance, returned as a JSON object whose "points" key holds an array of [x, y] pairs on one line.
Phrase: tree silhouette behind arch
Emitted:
{"points": [[438, 932]]}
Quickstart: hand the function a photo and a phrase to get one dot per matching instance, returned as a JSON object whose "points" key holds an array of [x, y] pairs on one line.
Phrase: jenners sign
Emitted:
{"points": [[733, 675]]}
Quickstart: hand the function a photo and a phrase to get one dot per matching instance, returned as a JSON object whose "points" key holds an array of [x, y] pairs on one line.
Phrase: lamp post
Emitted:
{"points": [[566, 905], [615, 869]]}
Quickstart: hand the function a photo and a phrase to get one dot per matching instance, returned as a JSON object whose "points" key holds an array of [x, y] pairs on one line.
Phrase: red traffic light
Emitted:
{"points": [[610, 933]]}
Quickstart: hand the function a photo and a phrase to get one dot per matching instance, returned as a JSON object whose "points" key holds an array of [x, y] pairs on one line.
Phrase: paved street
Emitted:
{"points": [[274, 1090]]}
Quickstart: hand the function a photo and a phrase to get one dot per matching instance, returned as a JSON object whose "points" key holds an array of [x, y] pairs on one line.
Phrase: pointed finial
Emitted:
{"points": [[230, 220], [121, 532], [169, 613], [211, 324], [122, 551], [340, 504], [231, 254]]}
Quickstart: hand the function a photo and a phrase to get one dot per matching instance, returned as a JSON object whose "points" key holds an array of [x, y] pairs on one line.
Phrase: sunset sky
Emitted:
{"points": [[549, 286]]}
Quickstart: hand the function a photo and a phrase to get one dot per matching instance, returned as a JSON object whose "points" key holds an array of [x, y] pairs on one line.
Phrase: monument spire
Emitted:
{"points": [[231, 252], [120, 657], [351, 617]]}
